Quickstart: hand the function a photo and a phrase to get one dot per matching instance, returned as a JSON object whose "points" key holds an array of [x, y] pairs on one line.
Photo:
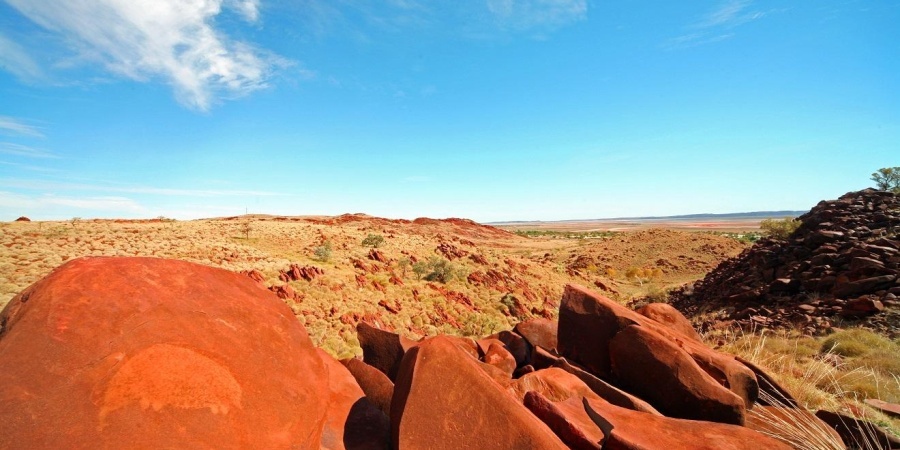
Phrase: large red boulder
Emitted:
{"points": [[444, 400], [539, 331], [154, 353], [568, 419], [382, 349], [605, 390], [554, 383], [666, 315], [633, 430], [376, 385], [588, 322], [352, 422], [655, 369]]}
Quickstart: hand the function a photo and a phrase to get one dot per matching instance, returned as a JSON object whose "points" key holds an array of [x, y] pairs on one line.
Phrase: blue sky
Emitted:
{"points": [[486, 109]]}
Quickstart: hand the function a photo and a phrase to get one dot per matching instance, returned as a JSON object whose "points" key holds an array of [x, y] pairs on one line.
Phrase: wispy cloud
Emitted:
{"points": [[16, 60], [175, 40], [41, 203], [8, 148], [87, 187], [529, 14], [11, 125], [717, 25]]}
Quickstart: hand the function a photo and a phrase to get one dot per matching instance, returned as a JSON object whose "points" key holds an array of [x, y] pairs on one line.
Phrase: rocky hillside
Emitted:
{"points": [[156, 353], [839, 267], [424, 277]]}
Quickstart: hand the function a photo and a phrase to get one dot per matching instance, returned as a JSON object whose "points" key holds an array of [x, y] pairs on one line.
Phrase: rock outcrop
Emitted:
{"points": [[153, 353], [841, 265]]}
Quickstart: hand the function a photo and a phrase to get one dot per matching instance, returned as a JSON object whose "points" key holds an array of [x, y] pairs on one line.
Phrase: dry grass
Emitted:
{"points": [[836, 373]]}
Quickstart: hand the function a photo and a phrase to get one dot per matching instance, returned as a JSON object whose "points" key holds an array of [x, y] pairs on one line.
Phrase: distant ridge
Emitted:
{"points": [[740, 215]]}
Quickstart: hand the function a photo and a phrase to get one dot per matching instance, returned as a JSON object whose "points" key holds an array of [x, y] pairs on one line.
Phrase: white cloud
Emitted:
{"points": [[28, 204], [175, 40], [15, 126], [16, 60], [716, 26], [68, 187], [526, 14], [8, 148]]}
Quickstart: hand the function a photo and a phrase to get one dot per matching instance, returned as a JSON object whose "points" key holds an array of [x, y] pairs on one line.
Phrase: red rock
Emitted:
{"points": [[568, 419], [607, 391], [376, 255], [670, 317], [382, 349], [515, 344], [771, 393], [542, 359], [538, 331], [352, 422], [655, 369], [588, 321], [499, 357], [442, 400], [256, 276], [633, 430], [154, 353], [891, 409], [376, 385], [554, 383], [796, 426], [23, 219], [859, 433]]}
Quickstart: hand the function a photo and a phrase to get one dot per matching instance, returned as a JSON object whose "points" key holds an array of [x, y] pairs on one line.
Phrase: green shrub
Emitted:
{"points": [[323, 252], [440, 270], [779, 229], [373, 240]]}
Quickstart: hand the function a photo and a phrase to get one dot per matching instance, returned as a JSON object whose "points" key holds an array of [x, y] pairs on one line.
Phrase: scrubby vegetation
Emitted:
{"points": [[566, 234], [837, 372], [779, 228]]}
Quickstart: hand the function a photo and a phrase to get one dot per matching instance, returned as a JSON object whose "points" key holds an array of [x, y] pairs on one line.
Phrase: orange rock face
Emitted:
{"points": [[152, 353], [443, 400]]}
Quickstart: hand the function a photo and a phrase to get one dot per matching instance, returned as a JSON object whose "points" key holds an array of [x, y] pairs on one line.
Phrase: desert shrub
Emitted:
{"points": [[420, 268], [440, 270], [779, 228], [323, 252], [373, 240], [656, 294]]}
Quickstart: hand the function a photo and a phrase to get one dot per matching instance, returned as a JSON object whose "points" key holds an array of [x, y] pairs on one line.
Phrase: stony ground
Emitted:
{"points": [[495, 278]]}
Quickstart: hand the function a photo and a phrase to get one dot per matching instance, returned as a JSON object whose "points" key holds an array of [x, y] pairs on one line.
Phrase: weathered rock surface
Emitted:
{"points": [[382, 349], [377, 387], [351, 421], [842, 263], [633, 430], [153, 353], [589, 322], [657, 370], [443, 400], [665, 314]]}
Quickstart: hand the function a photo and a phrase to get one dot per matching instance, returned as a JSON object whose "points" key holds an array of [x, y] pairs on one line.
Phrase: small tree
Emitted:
{"points": [[246, 228], [373, 240], [887, 179], [420, 268], [779, 229]]}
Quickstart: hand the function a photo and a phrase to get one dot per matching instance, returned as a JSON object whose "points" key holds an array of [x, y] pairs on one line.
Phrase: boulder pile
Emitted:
{"points": [[153, 353], [842, 265]]}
